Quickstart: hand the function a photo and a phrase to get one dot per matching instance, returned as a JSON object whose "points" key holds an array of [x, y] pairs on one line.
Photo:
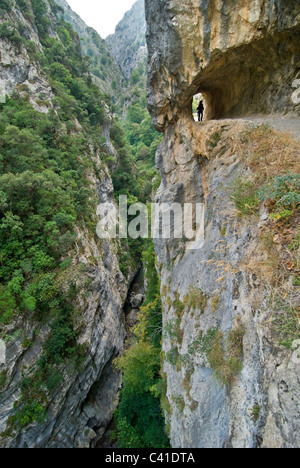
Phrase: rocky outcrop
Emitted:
{"points": [[128, 43], [230, 383], [17, 69], [137, 301]]}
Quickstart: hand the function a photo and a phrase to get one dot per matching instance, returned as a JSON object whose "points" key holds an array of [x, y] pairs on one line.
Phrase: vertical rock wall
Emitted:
{"points": [[218, 299]]}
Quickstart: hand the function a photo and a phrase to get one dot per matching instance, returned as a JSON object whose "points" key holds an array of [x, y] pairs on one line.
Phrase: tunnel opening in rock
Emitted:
{"points": [[197, 99], [253, 79]]}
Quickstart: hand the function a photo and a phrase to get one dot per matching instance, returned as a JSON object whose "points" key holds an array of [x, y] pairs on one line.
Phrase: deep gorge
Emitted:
{"points": [[127, 342]]}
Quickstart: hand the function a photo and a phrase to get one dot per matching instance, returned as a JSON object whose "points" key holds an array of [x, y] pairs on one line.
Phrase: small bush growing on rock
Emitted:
{"points": [[245, 197], [216, 138], [196, 299], [286, 322], [226, 359], [224, 355], [254, 413], [215, 303], [5, 6], [179, 308], [284, 192], [3, 378], [235, 342], [180, 403], [187, 385], [204, 343], [173, 329], [172, 356], [216, 354], [9, 32]]}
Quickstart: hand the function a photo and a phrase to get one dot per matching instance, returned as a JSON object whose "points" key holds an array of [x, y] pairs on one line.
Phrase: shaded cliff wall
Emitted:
{"points": [[230, 383]]}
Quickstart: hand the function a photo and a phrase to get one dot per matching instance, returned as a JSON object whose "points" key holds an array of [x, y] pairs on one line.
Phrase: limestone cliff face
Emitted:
{"points": [[16, 66], [128, 43], [218, 302], [79, 411]]}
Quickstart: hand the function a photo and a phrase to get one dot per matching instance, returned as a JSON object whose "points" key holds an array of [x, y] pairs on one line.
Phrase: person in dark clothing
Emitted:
{"points": [[200, 111]]}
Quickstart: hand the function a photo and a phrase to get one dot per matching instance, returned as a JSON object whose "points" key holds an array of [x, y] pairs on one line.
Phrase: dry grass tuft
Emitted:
{"points": [[270, 153]]}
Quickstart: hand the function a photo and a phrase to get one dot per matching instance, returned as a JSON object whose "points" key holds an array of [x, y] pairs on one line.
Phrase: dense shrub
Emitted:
{"points": [[284, 192], [41, 17], [10, 32], [5, 6]]}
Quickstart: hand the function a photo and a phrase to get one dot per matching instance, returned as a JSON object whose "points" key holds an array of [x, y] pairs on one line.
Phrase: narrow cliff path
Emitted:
{"points": [[282, 124]]}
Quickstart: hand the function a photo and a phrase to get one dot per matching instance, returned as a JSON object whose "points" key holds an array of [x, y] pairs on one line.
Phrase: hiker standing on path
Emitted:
{"points": [[200, 111]]}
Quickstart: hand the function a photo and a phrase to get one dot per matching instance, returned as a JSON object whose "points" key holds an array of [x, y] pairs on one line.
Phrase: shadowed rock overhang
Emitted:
{"points": [[242, 55]]}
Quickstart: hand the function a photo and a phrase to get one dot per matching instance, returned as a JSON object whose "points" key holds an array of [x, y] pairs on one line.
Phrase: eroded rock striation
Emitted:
{"points": [[230, 383]]}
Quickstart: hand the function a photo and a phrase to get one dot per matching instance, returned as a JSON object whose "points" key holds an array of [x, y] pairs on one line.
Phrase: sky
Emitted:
{"points": [[102, 15]]}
